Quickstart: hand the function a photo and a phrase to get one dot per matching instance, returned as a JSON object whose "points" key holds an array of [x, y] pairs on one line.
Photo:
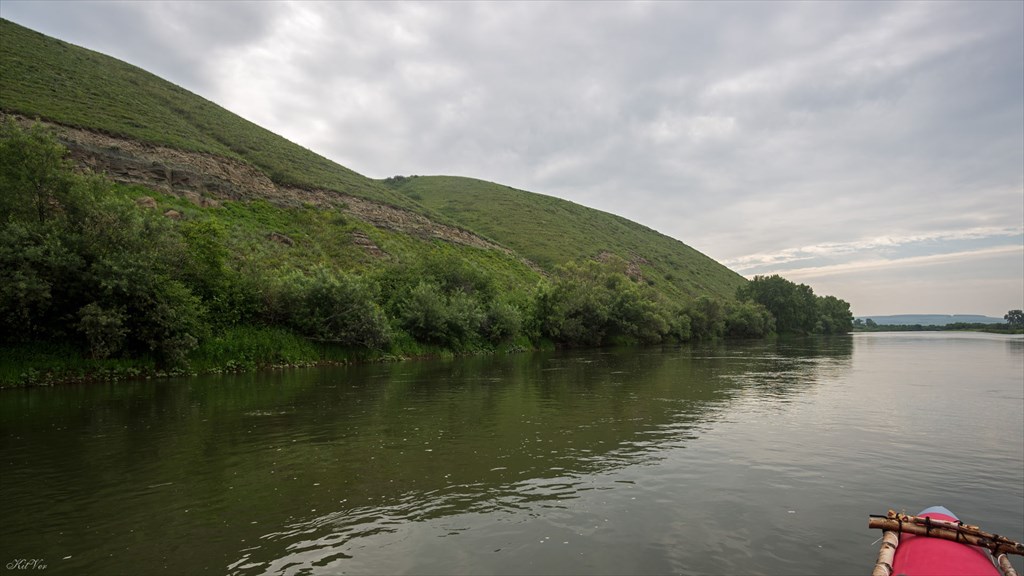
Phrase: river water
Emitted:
{"points": [[740, 458]]}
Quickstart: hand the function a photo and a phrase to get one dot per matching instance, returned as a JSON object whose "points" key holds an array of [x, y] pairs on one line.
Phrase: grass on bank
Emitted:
{"points": [[236, 349]]}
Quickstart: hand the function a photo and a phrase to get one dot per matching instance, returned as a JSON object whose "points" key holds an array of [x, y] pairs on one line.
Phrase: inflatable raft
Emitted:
{"points": [[936, 543]]}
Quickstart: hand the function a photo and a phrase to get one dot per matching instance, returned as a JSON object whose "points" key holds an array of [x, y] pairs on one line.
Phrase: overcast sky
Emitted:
{"points": [[874, 151]]}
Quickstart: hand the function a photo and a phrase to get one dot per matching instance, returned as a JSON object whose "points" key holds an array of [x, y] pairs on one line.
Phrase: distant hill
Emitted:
{"points": [[932, 319]]}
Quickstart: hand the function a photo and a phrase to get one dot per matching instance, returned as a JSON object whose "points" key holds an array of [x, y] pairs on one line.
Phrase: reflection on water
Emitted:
{"points": [[599, 462]]}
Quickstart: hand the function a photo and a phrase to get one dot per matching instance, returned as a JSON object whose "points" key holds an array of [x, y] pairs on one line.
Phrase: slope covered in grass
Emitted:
{"points": [[145, 227], [46, 78], [550, 231]]}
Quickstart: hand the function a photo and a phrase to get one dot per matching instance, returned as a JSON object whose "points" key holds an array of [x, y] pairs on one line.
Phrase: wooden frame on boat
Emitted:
{"points": [[893, 524]]}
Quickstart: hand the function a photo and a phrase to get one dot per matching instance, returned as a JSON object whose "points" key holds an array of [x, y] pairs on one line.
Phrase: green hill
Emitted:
{"points": [[204, 240], [550, 231], [46, 78]]}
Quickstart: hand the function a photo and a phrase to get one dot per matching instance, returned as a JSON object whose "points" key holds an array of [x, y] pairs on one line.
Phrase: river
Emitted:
{"points": [[739, 458]]}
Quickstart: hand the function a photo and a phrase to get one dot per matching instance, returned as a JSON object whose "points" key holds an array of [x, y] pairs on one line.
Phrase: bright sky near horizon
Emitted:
{"points": [[874, 151]]}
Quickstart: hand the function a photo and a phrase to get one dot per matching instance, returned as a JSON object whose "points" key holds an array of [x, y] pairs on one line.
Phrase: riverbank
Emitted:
{"points": [[237, 350], [248, 349]]}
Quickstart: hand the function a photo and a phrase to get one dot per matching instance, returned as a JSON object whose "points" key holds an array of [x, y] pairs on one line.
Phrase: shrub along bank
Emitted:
{"points": [[95, 285]]}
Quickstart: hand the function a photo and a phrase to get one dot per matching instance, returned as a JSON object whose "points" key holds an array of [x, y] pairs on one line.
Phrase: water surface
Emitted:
{"points": [[760, 458]]}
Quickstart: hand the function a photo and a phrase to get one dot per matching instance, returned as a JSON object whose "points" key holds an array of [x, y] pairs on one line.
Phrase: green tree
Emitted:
{"points": [[748, 320], [707, 318], [796, 308], [575, 306], [792, 305], [445, 300], [679, 326], [834, 316], [1015, 318], [80, 263], [634, 312], [34, 176], [104, 329]]}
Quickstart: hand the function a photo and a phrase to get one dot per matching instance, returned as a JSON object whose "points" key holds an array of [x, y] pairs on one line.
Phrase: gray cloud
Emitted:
{"points": [[743, 129], [174, 40]]}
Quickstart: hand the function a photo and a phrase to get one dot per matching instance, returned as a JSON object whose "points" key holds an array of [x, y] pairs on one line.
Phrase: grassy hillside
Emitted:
{"points": [[50, 79], [53, 80], [46, 78], [551, 231], [104, 277]]}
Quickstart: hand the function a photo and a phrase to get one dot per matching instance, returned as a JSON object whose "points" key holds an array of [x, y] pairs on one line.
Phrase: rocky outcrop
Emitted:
{"points": [[208, 179], [201, 178], [363, 241], [280, 238]]}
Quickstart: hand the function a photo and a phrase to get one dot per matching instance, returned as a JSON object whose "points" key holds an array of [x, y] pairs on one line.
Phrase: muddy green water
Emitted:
{"points": [[761, 458]]}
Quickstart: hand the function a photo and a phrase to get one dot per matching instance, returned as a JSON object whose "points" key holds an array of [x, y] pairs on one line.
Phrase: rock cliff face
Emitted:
{"points": [[198, 177], [207, 180]]}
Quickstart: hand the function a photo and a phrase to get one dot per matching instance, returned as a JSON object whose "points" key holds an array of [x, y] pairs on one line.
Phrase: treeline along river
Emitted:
{"points": [[759, 458]]}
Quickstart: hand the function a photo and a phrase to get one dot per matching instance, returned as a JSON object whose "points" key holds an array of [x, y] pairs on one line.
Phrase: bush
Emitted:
{"points": [[679, 327], [168, 319], [590, 304], [707, 318], [431, 316], [104, 329], [634, 313], [502, 322], [423, 314], [574, 308], [204, 267], [332, 307]]}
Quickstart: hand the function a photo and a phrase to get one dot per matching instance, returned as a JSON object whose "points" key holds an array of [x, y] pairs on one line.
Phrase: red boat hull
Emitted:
{"points": [[924, 556]]}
